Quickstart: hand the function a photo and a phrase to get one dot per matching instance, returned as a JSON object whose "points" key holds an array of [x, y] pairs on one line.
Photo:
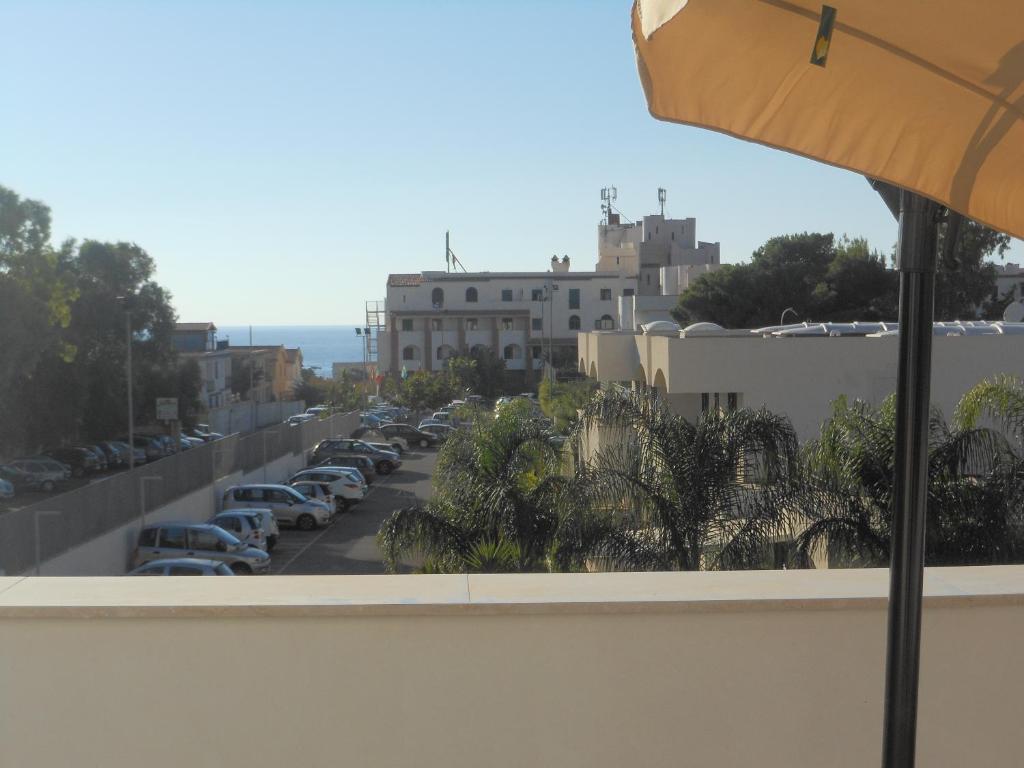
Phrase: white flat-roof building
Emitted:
{"points": [[794, 370], [529, 317], [432, 316]]}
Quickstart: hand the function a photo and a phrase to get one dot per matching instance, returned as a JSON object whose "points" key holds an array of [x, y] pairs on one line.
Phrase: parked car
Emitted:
{"points": [[118, 453], [346, 487], [202, 431], [288, 505], [154, 449], [20, 480], [369, 420], [183, 566], [320, 492], [427, 423], [267, 522], [6, 489], [356, 472], [29, 475], [300, 418], [442, 431], [245, 526], [409, 433], [138, 453], [79, 459], [316, 410], [49, 463], [378, 439], [384, 462], [199, 540]]}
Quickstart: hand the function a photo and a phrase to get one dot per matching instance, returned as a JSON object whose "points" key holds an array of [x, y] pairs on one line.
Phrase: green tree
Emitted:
{"points": [[960, 292], [562, 400], [497, 499], [676, 495], [848, 493]]}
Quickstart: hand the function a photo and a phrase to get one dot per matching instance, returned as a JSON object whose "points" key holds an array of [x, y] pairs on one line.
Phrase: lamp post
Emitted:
{"points": [[35, 522], [142, 496], [128, 378]]}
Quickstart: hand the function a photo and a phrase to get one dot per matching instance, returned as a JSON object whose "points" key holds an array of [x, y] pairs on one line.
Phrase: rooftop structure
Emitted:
{"points": [[796, 370]]}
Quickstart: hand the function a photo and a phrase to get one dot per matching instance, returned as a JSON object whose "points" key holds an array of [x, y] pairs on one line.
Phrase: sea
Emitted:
{"points": [[321, 345]]}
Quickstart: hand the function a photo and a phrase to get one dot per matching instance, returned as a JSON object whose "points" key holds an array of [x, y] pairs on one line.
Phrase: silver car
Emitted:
{"points": [[183, 566], [198, 540], [288, 505], [245, 526]]}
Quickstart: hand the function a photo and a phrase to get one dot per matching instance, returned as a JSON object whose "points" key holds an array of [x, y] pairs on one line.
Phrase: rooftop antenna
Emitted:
{"points": [[451, 261], [608, 197], [662, 194]]}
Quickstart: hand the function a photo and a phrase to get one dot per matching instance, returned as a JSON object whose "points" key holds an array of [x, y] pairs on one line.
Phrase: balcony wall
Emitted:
{"points": [[723, 669]]}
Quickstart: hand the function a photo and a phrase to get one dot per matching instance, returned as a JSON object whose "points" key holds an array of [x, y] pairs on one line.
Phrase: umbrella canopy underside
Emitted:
{"points": [[925, 94]]}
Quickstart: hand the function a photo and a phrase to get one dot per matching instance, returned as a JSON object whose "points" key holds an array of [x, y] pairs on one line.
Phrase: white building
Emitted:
{"points": [[522, 316], [529, 317], [797, 371]]}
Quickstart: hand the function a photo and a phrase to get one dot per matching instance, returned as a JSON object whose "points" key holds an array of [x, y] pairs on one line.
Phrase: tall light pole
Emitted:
{"points": [[128, 378]]}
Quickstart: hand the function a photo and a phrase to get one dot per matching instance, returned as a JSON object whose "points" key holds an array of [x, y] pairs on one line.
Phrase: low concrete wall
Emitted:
{"points": [[109, 554], [765, 669]]}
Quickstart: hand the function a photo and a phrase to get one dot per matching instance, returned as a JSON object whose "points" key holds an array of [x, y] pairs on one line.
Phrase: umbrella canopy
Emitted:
{"points": [[924, 97], [927, 95]]}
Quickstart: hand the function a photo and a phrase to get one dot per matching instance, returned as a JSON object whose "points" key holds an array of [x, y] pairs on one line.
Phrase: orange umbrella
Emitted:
{"points": [[924, 97]]}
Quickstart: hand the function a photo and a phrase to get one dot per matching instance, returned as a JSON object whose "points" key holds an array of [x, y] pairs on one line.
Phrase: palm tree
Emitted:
{"points": [[497, 495], [676, 495], [848, 495]]}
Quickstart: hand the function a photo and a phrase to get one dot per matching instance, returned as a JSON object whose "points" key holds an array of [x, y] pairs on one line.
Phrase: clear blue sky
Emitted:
{"points": [[278, 159]]}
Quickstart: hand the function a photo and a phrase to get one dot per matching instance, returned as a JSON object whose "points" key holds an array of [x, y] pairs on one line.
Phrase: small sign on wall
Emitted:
{"points": [[167, 409]]}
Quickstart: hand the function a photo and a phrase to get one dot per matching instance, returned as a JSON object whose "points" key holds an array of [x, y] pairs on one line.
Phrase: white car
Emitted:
{"points": [[379, 440], [319, 491], [245, 525], [346, 487], [300, 418], [288, 505]]}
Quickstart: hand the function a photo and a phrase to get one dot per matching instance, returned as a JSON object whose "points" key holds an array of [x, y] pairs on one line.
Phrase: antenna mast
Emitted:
{"points": [[661, 200], [608, 197], [450, 259]]}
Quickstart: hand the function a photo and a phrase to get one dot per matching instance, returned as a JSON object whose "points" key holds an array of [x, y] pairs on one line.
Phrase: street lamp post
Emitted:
{"points": [[35, 522], [128, 378]]}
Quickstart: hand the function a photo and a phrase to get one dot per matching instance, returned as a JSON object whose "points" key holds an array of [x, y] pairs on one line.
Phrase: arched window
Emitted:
{"points": [[513, 352], [471, 295], [574, 322], [411, 353], [605, 323], [445, 351], [437, 298]]}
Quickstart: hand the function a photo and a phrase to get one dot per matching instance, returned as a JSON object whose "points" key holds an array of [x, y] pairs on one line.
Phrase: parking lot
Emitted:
{"points": [[348, 545]]}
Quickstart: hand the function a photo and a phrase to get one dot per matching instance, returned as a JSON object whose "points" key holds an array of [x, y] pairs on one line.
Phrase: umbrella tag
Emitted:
{"points": [[824, 37]]}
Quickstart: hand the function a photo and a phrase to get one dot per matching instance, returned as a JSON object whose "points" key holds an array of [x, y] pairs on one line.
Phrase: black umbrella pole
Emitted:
{"points": [[917, 246]]}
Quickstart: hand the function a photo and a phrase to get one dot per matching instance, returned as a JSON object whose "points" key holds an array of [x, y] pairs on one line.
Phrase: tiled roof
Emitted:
{"points": [[195, 326], [406, 280]]}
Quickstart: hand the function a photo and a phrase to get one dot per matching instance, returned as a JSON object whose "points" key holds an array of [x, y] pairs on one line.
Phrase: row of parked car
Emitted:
{"points": [[240, 538], [48, 470]]}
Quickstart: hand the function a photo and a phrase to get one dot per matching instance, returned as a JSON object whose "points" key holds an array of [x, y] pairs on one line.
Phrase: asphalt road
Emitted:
{"points": [[348, 545]]}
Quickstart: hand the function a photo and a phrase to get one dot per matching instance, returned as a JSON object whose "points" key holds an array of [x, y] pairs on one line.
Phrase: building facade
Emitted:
{"points": [[198, 341], [528, 318], [523, 317], [799, 374]]}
